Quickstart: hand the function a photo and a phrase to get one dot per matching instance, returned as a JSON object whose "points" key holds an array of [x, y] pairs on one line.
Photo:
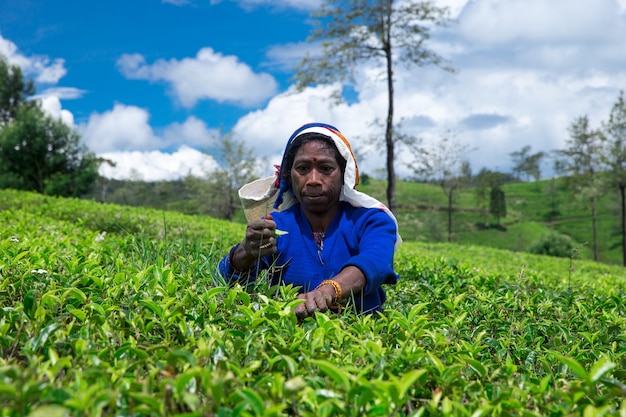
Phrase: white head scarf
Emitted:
{"points": [[286, 198]]}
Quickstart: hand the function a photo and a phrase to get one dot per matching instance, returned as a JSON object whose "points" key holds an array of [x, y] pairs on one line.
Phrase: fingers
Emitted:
{"points": [[260, 246], [316, 300], [259, 238]]}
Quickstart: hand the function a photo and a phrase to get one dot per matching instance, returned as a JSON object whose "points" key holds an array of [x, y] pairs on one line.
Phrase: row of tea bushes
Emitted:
{"points": [[114, 311]]}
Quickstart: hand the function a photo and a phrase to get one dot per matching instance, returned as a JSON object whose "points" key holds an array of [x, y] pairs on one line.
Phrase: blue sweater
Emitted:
{"points": [[362, 237]]}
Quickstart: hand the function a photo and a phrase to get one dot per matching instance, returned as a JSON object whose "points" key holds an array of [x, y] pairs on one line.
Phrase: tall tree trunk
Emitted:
{"points": [[450, 216], [389, 140], [391, 174], [594, 228], [622, 192]]}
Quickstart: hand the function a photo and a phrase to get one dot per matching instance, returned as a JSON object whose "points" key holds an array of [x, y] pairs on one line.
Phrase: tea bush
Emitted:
{"points": [[136, 322], [553, 244]]}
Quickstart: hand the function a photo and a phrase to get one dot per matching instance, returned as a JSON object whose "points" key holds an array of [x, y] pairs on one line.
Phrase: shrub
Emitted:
{"points": [[553, 244]]}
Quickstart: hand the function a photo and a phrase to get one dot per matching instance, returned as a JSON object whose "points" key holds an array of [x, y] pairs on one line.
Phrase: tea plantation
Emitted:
{"points": [[118, 311]]}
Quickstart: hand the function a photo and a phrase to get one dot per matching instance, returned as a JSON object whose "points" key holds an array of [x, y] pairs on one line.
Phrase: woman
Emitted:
{"points": [[339, 244]]}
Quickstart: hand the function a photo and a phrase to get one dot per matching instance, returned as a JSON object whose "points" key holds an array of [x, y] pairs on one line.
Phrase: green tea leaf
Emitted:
{"points": [[476, 366], [38, 341], [30, 303], [278, 232], [572, 364], [50, 411], [599, 369], [146, 399], [409, 379], [438, 364], [336, 374], [616, 384], [253, 399], [79, 314]]}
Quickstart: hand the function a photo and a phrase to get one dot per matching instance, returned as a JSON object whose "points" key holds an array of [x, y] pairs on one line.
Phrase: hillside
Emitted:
{"points": [[422, 217]]}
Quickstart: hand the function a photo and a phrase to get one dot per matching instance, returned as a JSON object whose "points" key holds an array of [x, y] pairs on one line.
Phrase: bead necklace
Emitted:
{"points": [[319, 239]]}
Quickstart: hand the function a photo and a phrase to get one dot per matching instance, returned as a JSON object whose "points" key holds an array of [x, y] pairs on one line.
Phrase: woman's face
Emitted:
{"points": [[316, 178]]}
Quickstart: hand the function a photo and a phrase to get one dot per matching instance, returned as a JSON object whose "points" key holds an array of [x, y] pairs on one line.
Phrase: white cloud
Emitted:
{"points": [[454, 6], [207, 76], [127, 128], [40, 67], [494, 22], [51, 105], [192, 131], [278, 4], [177, 2], [122, 128], [63, 93], [157, 165], [46, 72], [268, 129], [287, 56], [124, 135]]}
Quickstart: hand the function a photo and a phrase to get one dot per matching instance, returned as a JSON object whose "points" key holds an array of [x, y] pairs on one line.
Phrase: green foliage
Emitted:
{"points": [[497, 203], [526, 163], [553, 244], [14, 91], [37, 152], [446, 165], [614, 137], [136, 322]]}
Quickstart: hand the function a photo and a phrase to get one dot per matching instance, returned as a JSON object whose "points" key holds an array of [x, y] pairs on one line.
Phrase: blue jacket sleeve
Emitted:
{"points": [[376, 234], [231, 275]]}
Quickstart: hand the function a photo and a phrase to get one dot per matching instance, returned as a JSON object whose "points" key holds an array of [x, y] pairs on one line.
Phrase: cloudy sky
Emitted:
{"points": [[149, 83]]}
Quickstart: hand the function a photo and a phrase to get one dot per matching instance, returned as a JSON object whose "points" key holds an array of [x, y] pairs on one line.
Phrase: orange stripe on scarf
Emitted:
{"points": [[345, 142]]}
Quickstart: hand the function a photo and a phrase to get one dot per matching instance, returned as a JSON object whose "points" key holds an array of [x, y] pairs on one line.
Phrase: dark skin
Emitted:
{"points": [[316, 180]]}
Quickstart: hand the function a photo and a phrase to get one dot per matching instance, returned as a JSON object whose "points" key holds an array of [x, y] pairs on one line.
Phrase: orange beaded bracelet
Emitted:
{"points": [[335, 285]]}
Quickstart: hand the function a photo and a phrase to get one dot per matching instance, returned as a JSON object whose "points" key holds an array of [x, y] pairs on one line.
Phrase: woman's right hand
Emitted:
{"points": [[260, 238]]}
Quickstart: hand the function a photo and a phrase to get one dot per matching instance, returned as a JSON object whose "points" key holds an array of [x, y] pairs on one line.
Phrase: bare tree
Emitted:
{"points": [[447, 165], [383, 32], [614, 156], [527, 163], [580, 160], [216, 195]]}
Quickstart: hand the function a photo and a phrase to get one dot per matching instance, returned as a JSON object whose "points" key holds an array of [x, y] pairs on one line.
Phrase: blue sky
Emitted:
{"points": [[149, 83]]}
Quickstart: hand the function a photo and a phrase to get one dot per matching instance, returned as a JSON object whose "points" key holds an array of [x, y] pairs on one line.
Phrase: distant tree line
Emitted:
{"points": [[37, 152], [214, 194], [594, 163]]}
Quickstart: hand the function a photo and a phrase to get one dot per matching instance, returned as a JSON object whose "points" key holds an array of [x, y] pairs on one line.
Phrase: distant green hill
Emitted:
{"points": [[531, 213]]}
